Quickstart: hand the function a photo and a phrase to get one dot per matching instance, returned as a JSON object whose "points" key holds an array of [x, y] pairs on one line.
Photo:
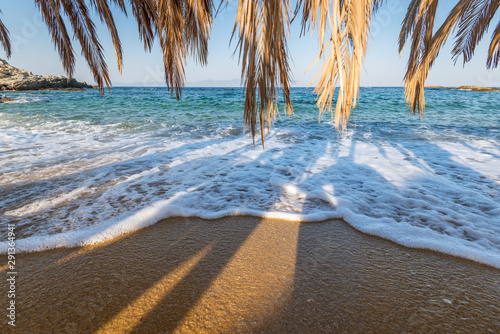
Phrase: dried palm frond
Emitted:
{"points": [[420, 22], [263, 27], [494, 49], [473, 24], [184, 28], [84, 29], [171, 32], [145, 14], [472, 18], [50, 10], [102, 8], [348, 22], [5, 39], [198, 20]]}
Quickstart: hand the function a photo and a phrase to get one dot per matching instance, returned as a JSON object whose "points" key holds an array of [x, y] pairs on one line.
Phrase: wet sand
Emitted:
{"points": [[249, 275]]}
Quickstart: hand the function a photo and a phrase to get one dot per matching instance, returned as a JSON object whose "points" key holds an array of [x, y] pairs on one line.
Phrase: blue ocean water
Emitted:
{"points": [[78, 168]]}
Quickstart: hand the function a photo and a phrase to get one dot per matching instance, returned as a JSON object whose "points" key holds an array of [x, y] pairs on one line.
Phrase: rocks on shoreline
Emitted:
{"points": [[473, 88], [5, 99], [12, 78]]}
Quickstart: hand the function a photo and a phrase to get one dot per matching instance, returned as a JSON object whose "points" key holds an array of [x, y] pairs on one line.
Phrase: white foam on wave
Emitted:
{"points": [[36, 206], [438, 195]]}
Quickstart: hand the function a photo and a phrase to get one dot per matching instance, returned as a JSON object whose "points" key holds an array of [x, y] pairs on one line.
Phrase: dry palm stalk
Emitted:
{"points": [[5, 39], [263, 27], [106, 16], [50, 10], [348, 23], [183, 29], [84, 29], [472, 17]]}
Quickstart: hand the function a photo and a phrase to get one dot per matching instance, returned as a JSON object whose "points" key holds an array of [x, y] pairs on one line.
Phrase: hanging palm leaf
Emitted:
{"points": [[349, 23], [263, 27], [5, 39], [183, 28], [472, 17]]}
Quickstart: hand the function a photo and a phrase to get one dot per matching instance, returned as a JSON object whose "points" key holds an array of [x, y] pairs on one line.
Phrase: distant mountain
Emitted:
{"points": [[215, 83], [203, 83], [228, 83]]}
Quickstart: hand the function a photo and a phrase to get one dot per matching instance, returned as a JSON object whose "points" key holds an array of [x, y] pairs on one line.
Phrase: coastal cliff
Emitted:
{"points": [[12, 78]]}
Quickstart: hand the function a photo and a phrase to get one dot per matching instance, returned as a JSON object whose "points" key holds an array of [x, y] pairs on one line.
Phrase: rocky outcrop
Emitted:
{"points": [[5, 99], [12, 78], [478, 88], [473, 88]]}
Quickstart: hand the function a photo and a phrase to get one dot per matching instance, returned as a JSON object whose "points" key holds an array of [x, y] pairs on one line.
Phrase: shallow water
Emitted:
{"points": [[77, 168]]}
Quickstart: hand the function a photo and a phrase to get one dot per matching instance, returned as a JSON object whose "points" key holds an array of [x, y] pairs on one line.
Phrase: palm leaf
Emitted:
{"points": [[422, 24], [84, 29], [494, 49], [408, 23], [198, 19], [348, 22], [262, 27], [5, 39], [184, 29], [106, 16], [145, 14], [171, 25], [50, 10], [472, 18], [474, 21]]}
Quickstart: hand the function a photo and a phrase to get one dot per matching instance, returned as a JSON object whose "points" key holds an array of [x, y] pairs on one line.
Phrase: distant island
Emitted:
{"points": [[473, 88], [12, 78]]}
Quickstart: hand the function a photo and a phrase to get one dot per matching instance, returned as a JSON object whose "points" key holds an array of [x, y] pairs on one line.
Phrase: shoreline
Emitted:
{"points": [[247, 274], [94, 236]]}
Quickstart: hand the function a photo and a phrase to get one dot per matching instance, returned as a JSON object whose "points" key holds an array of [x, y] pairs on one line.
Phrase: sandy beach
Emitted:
{"points": [[247, 275]]}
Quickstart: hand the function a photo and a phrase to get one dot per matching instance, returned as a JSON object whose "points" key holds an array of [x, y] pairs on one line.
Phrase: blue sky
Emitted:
{"points": [[33, 50]]}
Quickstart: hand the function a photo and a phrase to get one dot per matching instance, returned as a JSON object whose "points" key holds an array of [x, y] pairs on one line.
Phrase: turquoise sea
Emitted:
{"points": [[77, 168]]}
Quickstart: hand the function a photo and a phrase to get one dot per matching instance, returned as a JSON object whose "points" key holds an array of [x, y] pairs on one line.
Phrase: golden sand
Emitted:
{"points": [[247, 275]]}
